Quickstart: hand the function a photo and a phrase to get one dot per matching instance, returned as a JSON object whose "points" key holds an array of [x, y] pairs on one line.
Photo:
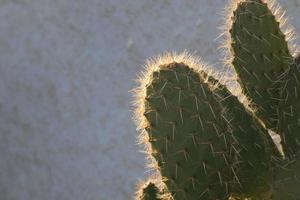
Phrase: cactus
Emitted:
{"points": [[206, 143], [262, 59], [289, 117], [261, 54], [148, 191]]}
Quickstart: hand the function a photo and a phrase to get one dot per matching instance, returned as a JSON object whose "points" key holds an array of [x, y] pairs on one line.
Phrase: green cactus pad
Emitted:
{"points": [[204, 141], [185, 128], [289, 112], [261, 54], [252, 142]]}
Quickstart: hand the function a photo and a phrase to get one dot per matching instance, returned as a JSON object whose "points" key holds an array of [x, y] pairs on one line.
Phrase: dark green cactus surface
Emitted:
{"points": [[261, 54], [287, 179], [209, 145], [205, 143], [187, 134], [289, 112]]}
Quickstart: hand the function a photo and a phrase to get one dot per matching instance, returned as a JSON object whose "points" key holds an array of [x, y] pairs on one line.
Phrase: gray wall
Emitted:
{"points": [[66, 69]]}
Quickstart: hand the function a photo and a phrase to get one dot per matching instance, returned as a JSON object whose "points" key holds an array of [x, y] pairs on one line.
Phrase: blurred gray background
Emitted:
{"points": [[66, 69]]}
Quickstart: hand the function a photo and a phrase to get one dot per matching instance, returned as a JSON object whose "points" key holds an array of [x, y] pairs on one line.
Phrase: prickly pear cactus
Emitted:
{"points": [[202, 140], [289, 112], [260, 56], [262, 60]]}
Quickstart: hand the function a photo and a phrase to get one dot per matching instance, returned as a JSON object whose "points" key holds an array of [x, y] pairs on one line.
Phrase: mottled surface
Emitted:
{"points": [[66, 69]]}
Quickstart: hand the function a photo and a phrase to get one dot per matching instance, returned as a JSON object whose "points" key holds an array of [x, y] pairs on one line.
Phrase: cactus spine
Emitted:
{"points": [[206, 144]]}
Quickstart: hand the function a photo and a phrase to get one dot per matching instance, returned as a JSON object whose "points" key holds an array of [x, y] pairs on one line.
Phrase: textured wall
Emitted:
{"points": [[66, 69]]}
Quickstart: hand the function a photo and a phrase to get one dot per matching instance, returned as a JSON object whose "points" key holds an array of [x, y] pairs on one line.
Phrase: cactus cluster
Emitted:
{"points": [[202, 141]]}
